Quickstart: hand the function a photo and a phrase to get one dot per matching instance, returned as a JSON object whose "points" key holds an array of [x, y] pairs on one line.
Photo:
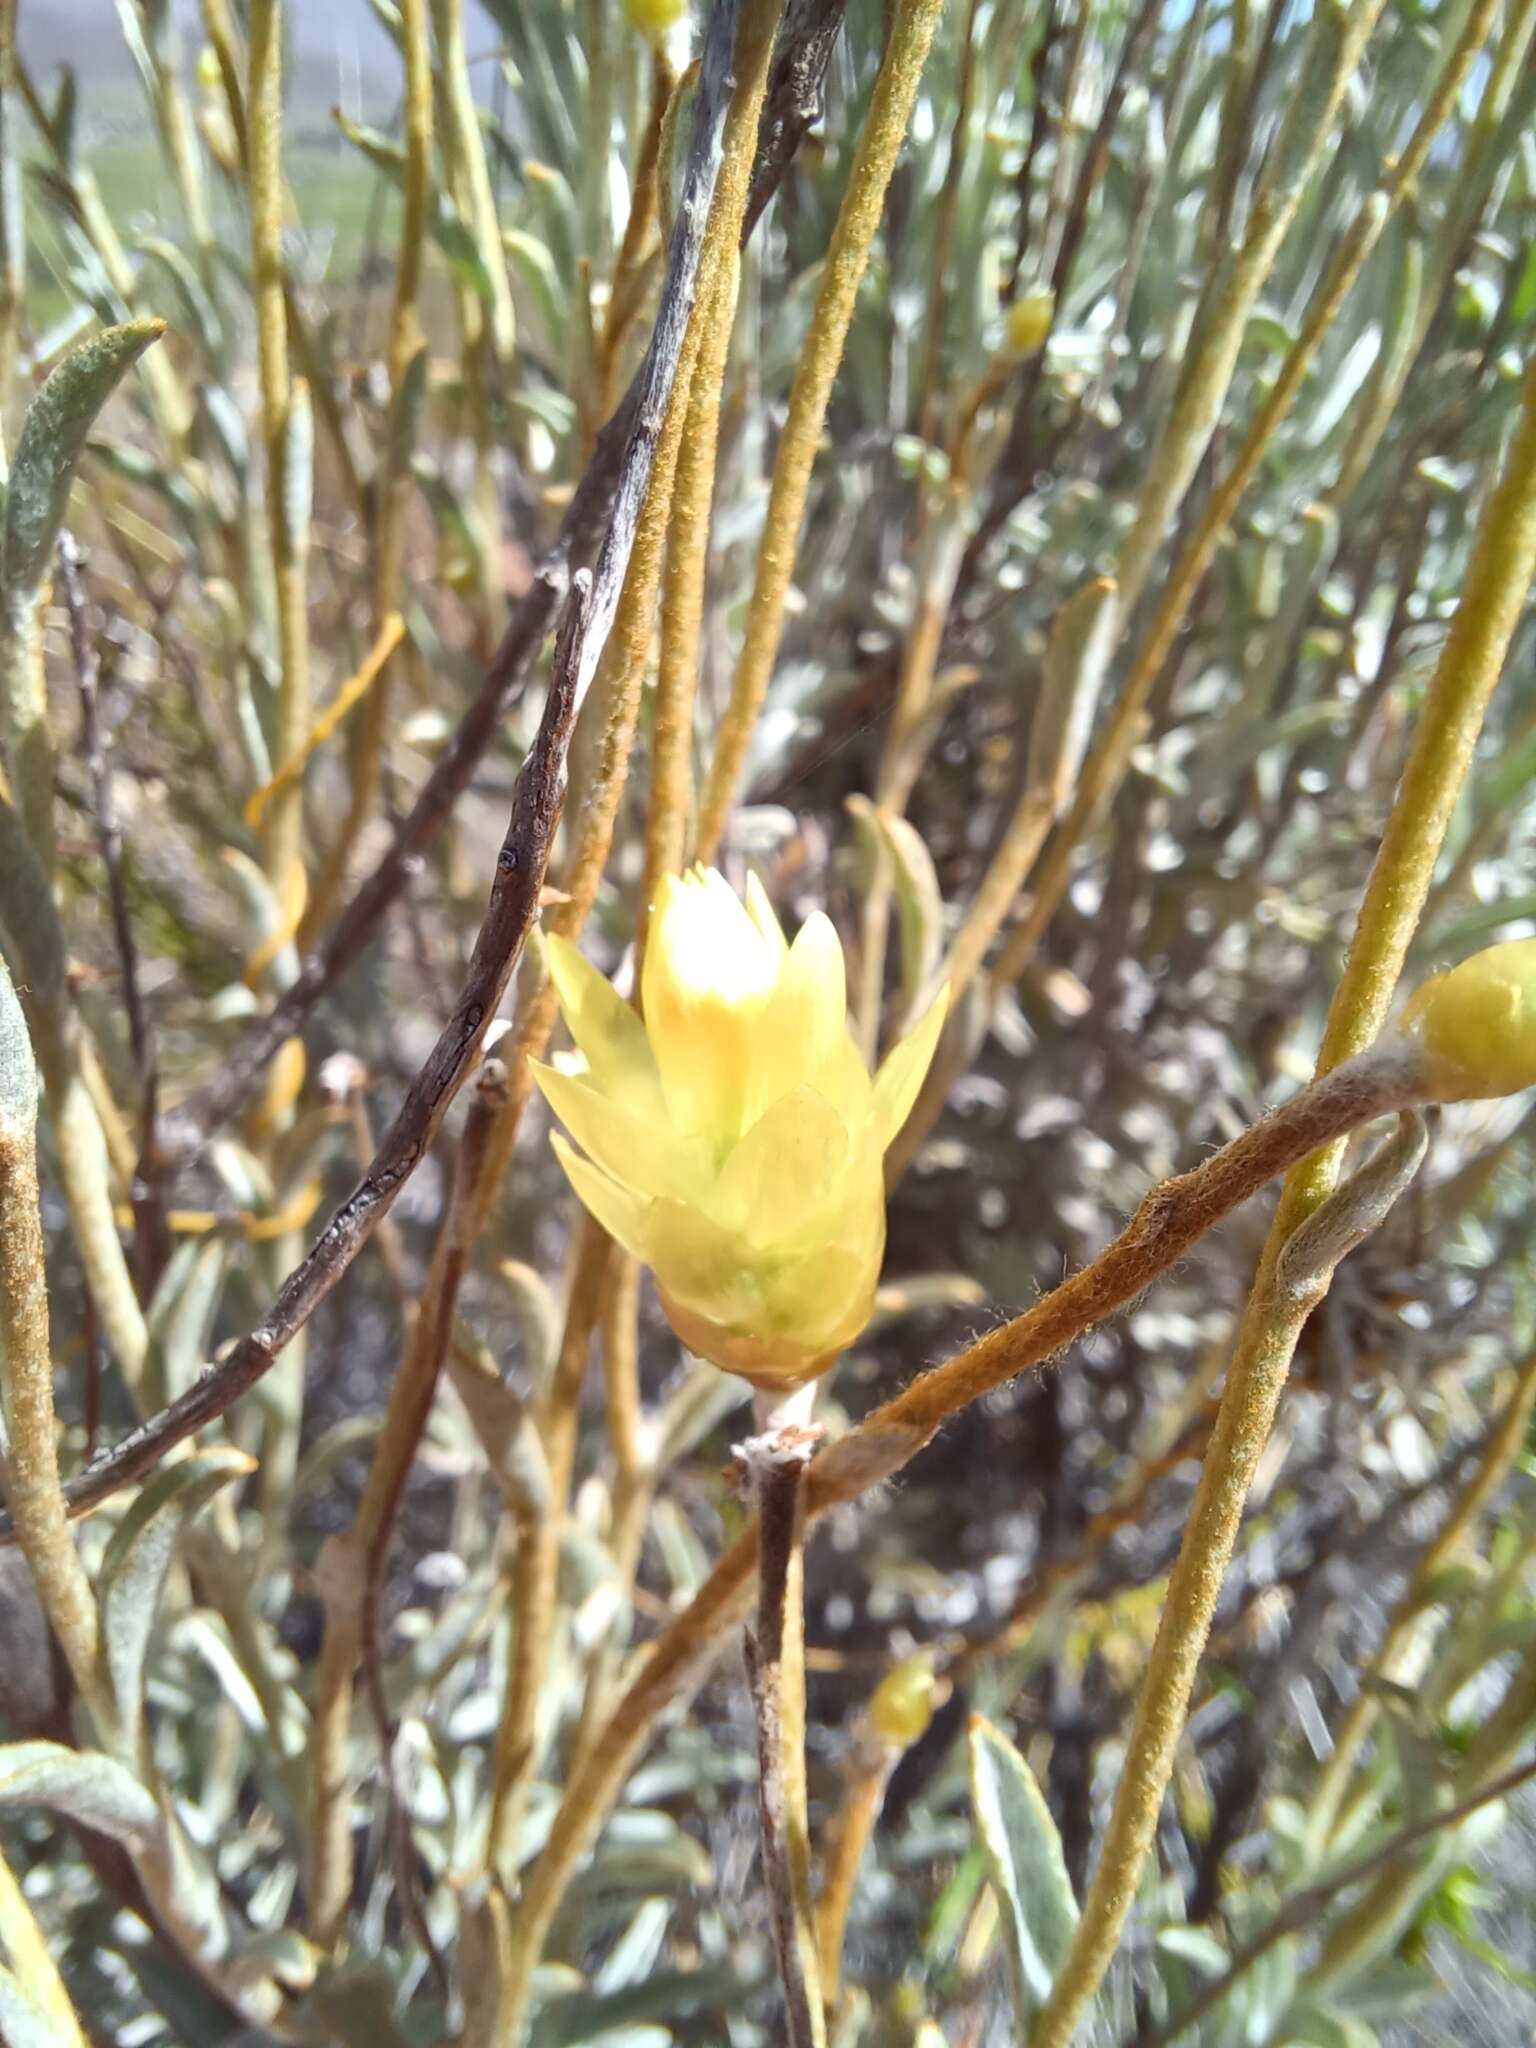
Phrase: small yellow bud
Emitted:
{"points": [[655, 17], [1476, 1024], [1029, 322], [903, 1702], [733, 1141]]}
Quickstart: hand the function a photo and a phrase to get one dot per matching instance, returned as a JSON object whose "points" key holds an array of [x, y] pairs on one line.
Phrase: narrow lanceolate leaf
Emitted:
{"points": [[48, 448], [884, 836], [1083, 638], [298, 474], [1024, 1861], [81, 1784], [18, 1075], [181, 1313], [406, 416], [919, 906], [134, 1568]]}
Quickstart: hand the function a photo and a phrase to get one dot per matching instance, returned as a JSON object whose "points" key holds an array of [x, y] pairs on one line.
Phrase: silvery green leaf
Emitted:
{"points": [[1383, 1992], [298, 470], [632, 1959], [1024, 1861], [48, 448], [1309, 2026], [203, 1637], [681, 1862], [1194, 1945], [23, 2022], [131, 25], [286, 1953], [1084, 636], [201, 314], [919, 906], [83, 1785], [182, 1311], [584, 2016], [537, 268], [457, 242], [353, 1434], [133, 1570], [18, 1072], [61, 123], [406, 415]]}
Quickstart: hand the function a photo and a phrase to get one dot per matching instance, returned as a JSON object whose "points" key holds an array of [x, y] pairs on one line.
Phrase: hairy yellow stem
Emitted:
{"points": [[1493, 595], [843, 269], [32, 1480]]}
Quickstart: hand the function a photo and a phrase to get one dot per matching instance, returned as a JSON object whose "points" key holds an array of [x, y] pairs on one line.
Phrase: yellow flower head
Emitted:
{"points": [[1476, 1024], [734, 1139]]}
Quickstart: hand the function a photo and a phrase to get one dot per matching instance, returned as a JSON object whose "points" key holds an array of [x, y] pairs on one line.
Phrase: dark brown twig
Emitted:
{"points": [[537, 801], [152, 1244], [801, 54], [1051, 32], [410, 1408], [1171, 1219], [794, 99], [776, 1465]]}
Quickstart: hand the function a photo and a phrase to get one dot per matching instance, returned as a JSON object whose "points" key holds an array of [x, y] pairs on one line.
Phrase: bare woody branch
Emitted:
{"points": [[537, 801], [1172, 1218], [801, 55]]}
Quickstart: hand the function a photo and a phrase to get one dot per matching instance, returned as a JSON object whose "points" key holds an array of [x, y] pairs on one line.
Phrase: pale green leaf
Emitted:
{"points": [[1024, 1861], [1194, 1945], [134, 1568], [53, 434], [18, 1073], [1383, 1992], [83, 1785]]}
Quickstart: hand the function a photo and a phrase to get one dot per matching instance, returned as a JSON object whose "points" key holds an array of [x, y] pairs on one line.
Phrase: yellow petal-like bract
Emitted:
{"points": [[1476, 1024], [734, 1139]]}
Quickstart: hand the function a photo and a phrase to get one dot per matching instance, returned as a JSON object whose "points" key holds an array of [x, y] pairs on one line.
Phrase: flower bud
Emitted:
{"points": [[902, 1704], [734, 1140], [1476, 1024], [1029, 322], [655, 17]]}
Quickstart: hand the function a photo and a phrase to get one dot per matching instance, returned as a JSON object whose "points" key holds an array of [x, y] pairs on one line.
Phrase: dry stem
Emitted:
{"points": [[776, 1466]]}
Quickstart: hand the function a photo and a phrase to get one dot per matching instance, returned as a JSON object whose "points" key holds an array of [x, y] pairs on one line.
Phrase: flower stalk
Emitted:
{"points": [[775, 1465], [1172, 1218]]}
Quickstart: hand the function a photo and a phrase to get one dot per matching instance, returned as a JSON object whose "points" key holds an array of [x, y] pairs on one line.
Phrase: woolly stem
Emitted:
{"points": [[843, 269], [1498, 577]]}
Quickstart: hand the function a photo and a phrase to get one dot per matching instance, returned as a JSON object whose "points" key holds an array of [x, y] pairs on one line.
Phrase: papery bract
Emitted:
{"points": [[734, 1139]]}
